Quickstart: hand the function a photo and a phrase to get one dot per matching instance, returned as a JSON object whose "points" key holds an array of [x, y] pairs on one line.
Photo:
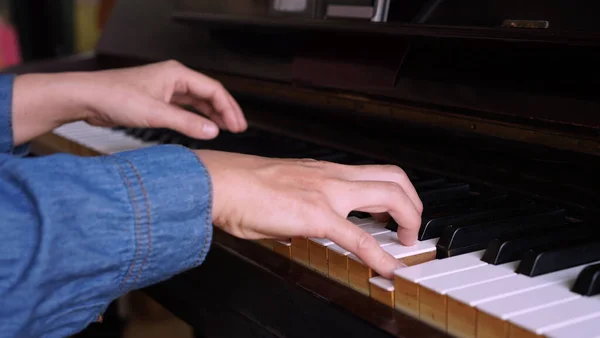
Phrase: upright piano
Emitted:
{"points": [[490, 106]]}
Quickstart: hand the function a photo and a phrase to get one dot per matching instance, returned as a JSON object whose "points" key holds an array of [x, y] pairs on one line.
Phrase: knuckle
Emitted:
{"points": [[399, 172], [365, 242], [394, 189], [395, 170], [173, 64]]}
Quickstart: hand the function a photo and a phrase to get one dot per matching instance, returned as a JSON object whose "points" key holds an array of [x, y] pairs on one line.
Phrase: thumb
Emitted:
{"points": [[188, 123]]}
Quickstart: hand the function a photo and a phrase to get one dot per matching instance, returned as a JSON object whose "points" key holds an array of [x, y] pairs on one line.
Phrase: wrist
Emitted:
{"points": [[42, 102]]}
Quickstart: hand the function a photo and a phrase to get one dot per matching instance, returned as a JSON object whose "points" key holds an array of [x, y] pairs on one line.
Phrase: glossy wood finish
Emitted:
{"points": [[243, 280], [500, 79]]}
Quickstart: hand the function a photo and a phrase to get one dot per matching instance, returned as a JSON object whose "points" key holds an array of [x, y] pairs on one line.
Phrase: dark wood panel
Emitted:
{"points": [[269, 54], [275, 296]]}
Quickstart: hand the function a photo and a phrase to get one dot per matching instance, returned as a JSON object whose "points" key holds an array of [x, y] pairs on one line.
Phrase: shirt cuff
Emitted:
{"points": [[172, 208], [6, 129]]}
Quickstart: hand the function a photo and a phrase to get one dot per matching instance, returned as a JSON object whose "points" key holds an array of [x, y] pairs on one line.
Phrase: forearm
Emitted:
{"points": [[42, 102], [80, 232]]}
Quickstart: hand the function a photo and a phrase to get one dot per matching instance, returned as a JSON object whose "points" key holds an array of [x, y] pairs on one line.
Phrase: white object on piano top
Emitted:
{"points": [[589, 328], [517, 283], [523, 302], [559, 315], [382, 283], [466, 278], [440, 267]]}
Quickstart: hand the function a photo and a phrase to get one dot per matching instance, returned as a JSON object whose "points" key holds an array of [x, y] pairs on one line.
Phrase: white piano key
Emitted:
{"points": [[362, 221], [387, 238], [523, 302], [322, 241], [517, 283], [589, 328], [558, 315], [463, 279], [440, 267], [399, 251], [375, 228], [339, 250], [382, 283], [103, 140], [369, 225]]}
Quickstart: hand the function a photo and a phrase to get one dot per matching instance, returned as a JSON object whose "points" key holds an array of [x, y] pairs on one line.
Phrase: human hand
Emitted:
{"points": [[256, 197], [146, 97]]}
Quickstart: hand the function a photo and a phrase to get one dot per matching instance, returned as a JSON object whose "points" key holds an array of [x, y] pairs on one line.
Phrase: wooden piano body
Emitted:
{"points": [[502, 95]]}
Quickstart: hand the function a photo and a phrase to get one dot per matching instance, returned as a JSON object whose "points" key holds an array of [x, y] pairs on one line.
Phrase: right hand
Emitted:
{"points": [[257, 197]]}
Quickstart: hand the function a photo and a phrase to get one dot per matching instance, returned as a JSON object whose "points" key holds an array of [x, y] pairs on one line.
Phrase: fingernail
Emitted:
{"points": [[210, 129], [401, 265]]}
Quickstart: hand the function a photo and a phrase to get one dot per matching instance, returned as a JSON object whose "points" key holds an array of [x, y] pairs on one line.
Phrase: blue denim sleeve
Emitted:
{"points": [[78, 232], [6, 132]]}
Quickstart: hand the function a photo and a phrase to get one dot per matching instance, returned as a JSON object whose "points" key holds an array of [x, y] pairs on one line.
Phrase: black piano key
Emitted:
{"points": [[130, 131], [428, 183], [138, 132], [434, 227], [165, 138], [150, 135], [453, 207], [443, 193], [559, 257], [588, 281], [504, 250], [458, 240], [359, 214]]}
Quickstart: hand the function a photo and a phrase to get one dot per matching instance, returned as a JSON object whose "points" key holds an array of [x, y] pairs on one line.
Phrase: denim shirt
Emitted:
{"points": [[78, 232]]}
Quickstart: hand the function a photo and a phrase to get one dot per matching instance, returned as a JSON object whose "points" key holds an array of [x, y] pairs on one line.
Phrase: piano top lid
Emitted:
{"points": [[555, 21], [533, 64]]}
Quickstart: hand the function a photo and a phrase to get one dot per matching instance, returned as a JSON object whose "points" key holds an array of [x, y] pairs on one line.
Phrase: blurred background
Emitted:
{"points": [[32, 30]]}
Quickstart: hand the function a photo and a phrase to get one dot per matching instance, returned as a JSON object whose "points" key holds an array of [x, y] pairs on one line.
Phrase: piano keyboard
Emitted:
{"points": [[486, 264]]}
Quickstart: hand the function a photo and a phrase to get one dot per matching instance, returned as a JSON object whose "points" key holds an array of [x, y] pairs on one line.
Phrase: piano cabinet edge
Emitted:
{"points": [[282, 296], [50, 143]]}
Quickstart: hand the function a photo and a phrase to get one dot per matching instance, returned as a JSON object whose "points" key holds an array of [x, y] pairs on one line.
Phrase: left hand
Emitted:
{"points": [[145, 97]]}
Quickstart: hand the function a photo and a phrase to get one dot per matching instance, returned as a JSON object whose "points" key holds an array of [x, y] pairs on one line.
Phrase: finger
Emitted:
{"points": [[364, 246], [378, 197], [201, 106], [243, 124], [204, 88], [185, 122], [207, 110], [183, 100], [383, 173]]}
